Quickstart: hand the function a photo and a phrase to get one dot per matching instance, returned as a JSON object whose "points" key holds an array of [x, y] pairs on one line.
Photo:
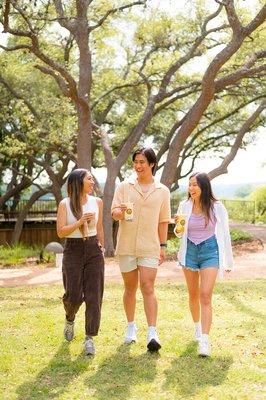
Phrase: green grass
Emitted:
{"points": [[20, 254], [37, 364]]}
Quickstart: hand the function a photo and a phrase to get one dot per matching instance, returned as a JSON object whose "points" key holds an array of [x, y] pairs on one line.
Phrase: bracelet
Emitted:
{"points": [[163, 245]]}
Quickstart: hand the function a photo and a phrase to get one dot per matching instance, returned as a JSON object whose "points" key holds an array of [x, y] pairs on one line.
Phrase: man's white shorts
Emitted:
{"points": [[129, 263]]}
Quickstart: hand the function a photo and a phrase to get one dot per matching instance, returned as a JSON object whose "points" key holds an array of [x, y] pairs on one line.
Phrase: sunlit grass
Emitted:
{"points": [[36, 363]]}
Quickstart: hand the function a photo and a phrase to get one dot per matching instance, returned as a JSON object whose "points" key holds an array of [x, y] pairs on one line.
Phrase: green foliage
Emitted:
{"points": [[177, 196], [259, 195], [132, 48], [241, 210], [18, 254], [172, 246], [238, 235]]}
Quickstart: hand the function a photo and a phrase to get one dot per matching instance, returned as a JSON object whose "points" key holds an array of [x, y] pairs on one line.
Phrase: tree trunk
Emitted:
{"points": [[21, 218], [108, 195], [57, 193], [84, 137]]}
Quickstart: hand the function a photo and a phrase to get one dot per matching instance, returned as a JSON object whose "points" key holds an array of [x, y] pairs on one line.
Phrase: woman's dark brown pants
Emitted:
{"points": [[83, 279]]}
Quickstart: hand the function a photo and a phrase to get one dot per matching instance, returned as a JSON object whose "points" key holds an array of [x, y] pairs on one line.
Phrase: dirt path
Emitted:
{"points": [[248, 265], [258, 231]]}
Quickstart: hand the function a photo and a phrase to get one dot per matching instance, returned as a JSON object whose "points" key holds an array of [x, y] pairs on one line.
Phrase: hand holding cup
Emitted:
{"points": [[129, 212], [88, 216], [180, 221]]}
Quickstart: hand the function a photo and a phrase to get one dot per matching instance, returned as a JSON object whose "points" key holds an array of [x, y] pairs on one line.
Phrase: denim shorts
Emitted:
{"points": [[202, 255]]}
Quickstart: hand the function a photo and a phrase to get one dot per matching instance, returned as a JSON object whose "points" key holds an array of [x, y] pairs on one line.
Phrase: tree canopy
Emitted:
{"points": [[84, 82]]}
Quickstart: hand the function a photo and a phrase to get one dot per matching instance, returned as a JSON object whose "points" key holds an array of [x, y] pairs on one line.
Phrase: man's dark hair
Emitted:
{"points": [[147, 152]]}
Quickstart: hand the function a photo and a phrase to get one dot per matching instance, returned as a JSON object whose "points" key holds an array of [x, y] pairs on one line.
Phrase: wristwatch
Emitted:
{"points": [[163, 245]]}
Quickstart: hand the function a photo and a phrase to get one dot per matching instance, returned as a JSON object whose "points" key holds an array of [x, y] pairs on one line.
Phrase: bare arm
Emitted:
{"points": [[61, 222], [100, 233], [162, 232], [62, 228]]}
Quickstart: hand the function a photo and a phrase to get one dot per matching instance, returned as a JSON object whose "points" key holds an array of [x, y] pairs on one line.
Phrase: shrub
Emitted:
{"points": [[172, 246], [237, 235], [18, 254]]}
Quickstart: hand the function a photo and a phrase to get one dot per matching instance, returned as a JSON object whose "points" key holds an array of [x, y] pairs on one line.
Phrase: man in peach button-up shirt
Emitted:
{"points": [[140, 236], [141, 242]]}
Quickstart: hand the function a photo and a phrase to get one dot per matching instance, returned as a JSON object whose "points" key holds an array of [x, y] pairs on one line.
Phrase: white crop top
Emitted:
{"points": [[90, 206]]}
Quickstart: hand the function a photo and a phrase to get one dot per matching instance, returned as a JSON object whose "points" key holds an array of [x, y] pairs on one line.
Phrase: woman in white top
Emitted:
{"points": [[205, 249], [79, 220]]}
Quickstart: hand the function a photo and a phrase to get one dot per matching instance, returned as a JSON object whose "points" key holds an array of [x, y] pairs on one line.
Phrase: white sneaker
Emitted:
{"points": [[131, 334], [204, 348], [69, 330], [153, 342], [89, 347], [197, 333]]}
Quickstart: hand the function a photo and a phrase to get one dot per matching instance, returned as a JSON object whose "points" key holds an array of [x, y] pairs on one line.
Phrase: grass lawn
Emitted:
{"points": [[37, 364]]}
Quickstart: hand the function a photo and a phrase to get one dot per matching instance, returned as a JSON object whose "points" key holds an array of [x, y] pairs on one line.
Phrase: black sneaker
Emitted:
{"points": [[153, 342]]}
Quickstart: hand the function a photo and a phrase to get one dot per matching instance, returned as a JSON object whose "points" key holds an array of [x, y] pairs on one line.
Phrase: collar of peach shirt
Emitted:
{"points": [[156, 185]]}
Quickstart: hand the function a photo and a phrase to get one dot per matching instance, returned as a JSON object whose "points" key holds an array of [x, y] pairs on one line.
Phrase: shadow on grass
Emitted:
{"points": [[117, 374], [25, 300], [243, 308], [53, 380], [190, 373]]}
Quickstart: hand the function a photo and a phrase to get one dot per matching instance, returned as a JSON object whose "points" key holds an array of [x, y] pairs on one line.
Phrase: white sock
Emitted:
{"points": [[131, 323], [197, 325], [152, 328], [205, 337]]}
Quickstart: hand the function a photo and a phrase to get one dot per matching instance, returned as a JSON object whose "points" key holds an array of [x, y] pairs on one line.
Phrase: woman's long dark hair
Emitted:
{"points": [[147, 152], [207, 197], [74, 190]]}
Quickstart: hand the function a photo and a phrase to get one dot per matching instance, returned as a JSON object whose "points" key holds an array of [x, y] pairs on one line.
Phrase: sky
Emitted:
{"points": [[248, 164], [247, 167]]}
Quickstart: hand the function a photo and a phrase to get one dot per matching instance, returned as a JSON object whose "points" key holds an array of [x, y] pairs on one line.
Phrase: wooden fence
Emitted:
{"points": [[31, 235]]}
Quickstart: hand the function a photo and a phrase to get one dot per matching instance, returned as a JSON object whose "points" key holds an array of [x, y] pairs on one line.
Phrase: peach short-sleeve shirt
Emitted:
{"points": [[140, 237]]}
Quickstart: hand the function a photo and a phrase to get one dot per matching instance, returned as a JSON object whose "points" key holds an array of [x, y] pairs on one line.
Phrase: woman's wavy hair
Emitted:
{"points": [[149, 153], [207, 197], [74, 190]]}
